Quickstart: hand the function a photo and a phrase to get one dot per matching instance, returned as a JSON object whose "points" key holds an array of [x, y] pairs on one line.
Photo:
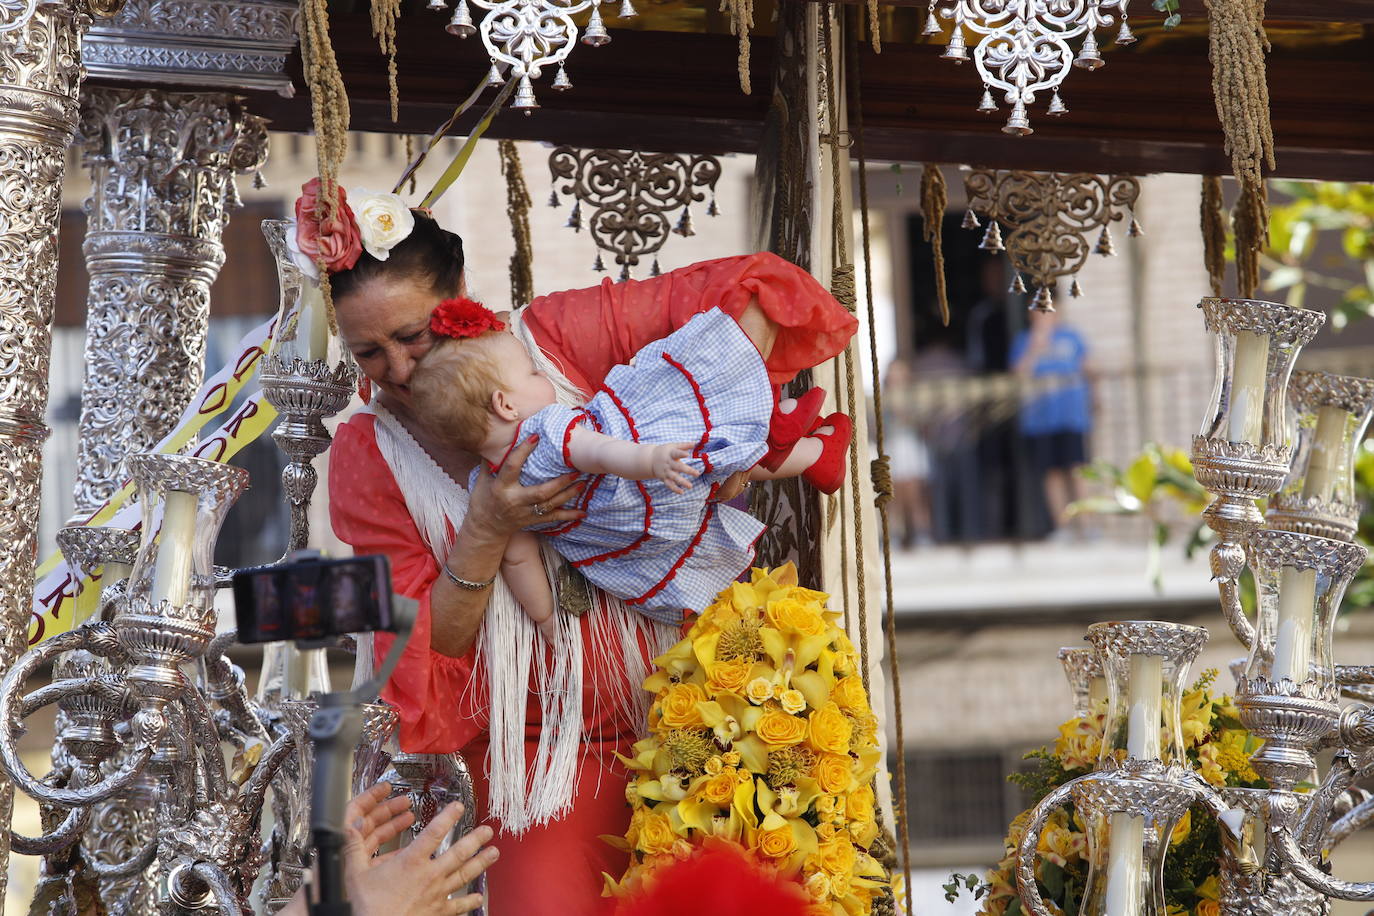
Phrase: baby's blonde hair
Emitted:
{"points": [[453, 385]]}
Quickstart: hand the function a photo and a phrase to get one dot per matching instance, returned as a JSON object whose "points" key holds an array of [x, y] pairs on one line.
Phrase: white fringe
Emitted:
{"points": [[509, 648]]}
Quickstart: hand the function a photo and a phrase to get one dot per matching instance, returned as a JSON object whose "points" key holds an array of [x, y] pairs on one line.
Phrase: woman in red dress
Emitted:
{"points": [[539, 727]]}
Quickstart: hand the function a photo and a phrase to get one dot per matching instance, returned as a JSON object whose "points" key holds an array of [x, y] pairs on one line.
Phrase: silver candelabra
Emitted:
{"points": [[1293, 444]]}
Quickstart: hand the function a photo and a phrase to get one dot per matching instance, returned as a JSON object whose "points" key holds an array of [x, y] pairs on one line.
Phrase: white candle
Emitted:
{"points": [[1247, 387], [1097, 692], [1125, 866], [312, 323], [1143, 703], [1324, 463], [172, 573], [1293, 644]]}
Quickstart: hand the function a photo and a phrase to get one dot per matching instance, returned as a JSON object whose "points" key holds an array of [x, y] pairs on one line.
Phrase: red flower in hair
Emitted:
{"points": [[337, 242], [463, 318]]}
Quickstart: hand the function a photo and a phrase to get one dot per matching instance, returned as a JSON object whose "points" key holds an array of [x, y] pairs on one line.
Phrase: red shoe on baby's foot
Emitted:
{"points": [[827, 472], [785, 430]]}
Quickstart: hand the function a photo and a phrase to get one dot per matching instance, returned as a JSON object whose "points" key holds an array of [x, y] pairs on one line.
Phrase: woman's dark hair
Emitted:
{"points": [[430, 255]]}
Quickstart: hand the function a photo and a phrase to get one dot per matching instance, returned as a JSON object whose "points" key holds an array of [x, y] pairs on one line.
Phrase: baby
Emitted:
{"points": [[655, 444]]}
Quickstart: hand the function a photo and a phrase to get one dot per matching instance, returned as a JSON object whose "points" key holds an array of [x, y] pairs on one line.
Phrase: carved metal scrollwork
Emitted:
{"points": [[633, 197]]}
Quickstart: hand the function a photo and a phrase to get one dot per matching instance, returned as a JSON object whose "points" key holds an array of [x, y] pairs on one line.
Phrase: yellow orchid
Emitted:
{"points": [[1182, 829], [1196, 713], [729, 716]]}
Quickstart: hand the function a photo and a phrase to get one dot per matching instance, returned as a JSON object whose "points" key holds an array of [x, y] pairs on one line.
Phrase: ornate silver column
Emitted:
{"points": [[40, 74], [162, 167]]}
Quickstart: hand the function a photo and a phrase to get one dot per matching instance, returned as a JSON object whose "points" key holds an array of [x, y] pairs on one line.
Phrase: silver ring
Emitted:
{"points": [[539, 509]]}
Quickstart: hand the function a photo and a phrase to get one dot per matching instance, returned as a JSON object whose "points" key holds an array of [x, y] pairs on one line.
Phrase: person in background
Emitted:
{"points": [[908, 456], [1056, 416]]}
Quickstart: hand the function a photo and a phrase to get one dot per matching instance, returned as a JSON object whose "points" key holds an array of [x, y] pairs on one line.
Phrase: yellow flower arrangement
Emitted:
{"points": [[761, 734]]}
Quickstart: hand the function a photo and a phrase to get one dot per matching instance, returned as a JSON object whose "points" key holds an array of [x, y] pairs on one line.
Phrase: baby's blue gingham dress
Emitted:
{"points": [[660, 551]]}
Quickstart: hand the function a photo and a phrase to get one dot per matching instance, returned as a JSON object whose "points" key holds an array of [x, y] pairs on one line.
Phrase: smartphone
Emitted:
{"points": [[313, 598]]}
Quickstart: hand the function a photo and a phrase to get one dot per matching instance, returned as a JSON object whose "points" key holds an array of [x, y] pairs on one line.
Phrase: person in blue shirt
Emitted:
{"points": [[1056, 414]]}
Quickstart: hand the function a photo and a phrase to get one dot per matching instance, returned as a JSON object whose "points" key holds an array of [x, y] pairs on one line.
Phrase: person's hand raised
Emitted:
{"points": [[503, 506], [411, 880]]}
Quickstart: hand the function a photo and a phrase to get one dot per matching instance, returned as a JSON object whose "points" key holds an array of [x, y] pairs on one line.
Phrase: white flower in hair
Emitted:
{"points": [[384, 220]]}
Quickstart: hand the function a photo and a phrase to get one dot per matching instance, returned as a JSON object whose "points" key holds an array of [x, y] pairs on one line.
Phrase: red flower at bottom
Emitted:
{"points": [[463, 318]]}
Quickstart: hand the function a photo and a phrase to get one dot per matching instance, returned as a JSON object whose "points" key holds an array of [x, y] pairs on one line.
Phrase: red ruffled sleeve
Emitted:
{"points": [[434, 693], [587, 331]]}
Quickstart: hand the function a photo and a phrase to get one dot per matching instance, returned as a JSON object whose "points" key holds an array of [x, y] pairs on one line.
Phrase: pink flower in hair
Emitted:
{"points": [[336, 242]]}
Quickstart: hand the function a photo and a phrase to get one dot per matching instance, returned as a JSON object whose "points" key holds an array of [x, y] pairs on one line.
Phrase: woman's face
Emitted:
{"points": [[385, 324]]}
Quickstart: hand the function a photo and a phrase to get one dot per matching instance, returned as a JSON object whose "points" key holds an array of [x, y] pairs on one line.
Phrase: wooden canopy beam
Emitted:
{"points": [[1149, 110]]}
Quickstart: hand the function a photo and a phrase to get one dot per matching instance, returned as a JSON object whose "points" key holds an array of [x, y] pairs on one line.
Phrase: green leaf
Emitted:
{"points": [[1052, 877], [1172, 21]]}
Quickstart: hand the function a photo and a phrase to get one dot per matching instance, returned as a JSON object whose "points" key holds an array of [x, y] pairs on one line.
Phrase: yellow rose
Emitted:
{"points": [[655, 835], [792, 701], [832, 773], [730, 758], [719, 789], [714, 765], [825, 830], [777, 843], [849, 694], [830, 730], [777, 728], [859, 807], [825, 805], [837, 856], [743, 776], [1208, 908], [818, 886], [729, 675], [789, 614], [759, 691], [636, 825], [863, 833], [679, 706]]}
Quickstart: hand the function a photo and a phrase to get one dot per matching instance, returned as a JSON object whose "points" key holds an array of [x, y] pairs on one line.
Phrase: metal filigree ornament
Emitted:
{"points": [[633, 198], [1050, 217], [1025, 46], [531, 36]]}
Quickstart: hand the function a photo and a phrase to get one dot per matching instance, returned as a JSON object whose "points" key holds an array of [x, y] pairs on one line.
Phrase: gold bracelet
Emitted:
{"points": [[467, 584]]}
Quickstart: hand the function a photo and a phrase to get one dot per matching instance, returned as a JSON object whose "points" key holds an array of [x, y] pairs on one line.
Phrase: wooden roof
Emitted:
{"points": [[669, 83]]}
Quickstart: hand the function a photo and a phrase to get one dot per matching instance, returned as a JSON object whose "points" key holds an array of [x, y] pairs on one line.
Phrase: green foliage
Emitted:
{"points": [[1170, 10], [1317, 211]]}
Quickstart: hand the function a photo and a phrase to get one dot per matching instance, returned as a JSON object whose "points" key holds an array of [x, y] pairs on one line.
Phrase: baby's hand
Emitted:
{"points": [[668, 466]]}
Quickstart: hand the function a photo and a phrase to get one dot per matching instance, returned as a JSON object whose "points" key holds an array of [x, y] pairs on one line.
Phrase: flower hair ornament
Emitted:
{"points": [[462, 318], [364, 220]]}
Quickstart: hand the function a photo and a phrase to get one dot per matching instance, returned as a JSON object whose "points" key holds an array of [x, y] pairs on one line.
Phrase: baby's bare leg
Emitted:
{"points": [[759, 328], [802, 456]]}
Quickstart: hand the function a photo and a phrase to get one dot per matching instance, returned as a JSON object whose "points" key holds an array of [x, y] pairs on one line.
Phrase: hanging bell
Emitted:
{"points": [[494, 77], [654, 271], [1104, 243], [711, 208], [524, 95], [1089, 57], [1043, 301], [1124, 35], [1057, 106], [575, 218], [628, 11], [599, 265], [1075, 290], [956, 50], [596, 34], [624, 271], [461, 23], [932, 26], [684, 225], [1018, 285], [1135, 230], [436, 5], [992, 238], [553, 200], [560, 80], [970, 220], [1018, 125], [258, 181], [987, 104]]}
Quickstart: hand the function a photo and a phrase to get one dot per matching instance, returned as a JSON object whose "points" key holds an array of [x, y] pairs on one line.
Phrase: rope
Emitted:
{"points": [[934, 198], [880, 468], [518, 204], [329, 112], [1214, 232], [741, 21]]}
